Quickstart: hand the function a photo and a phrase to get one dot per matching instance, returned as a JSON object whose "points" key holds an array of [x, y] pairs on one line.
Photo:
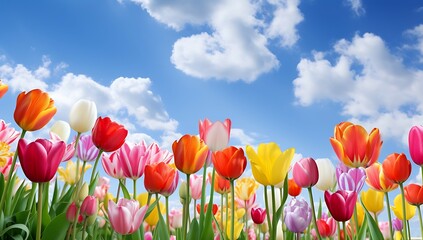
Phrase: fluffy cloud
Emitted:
{"points": [[235, 48], [373, 85], [356, 6], [417, 33]]}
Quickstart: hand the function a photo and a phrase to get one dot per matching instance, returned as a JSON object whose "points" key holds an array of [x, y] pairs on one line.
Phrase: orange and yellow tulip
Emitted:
{"points": [[34, 110], [245, 188], [190, 153], [377, 180], [354, 146], [230, 163], [397, 167], [3, 89], [221, 184]]}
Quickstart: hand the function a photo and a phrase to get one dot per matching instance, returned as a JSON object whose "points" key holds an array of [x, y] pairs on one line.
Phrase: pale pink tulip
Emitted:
{"points": [[112, 165], [215, 135], [196, 183], [126, 216]]}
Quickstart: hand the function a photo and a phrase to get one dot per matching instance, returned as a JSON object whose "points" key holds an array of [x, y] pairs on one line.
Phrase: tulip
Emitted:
{"points": [[341, 204], [230, 163], [112, 166], [415, 144], [214, 208], [89, 206], [107, 135], [61, 129], [5, 153], [175, 218], [102, 188], [221, 184], [245, 188], [372, 200], [305, 172], [397, 167], [293, 189], [385, 229], [258, 215], [83, 115], [327, 177], [215, 135], [269, 164], [297, 215], [183, 194], [40, 159], [3, 88], [34, 110], [126, 216], [397, 224], [354, 146], [247, 204], [327, 227], [161, 178], [157, 155], [83, 192], [360, 216], [397, 208], [153, 217], [72, 212], [377, 180], [195, 183], [70, 148], [5, 169], [190, 154], [133, 159], [86, 150], [7, 134], [413, 193], [350, 179], [68, 175], [237, 229]]}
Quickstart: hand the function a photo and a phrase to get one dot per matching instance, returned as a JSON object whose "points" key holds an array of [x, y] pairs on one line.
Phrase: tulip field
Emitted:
{"points": [[58, 187]]}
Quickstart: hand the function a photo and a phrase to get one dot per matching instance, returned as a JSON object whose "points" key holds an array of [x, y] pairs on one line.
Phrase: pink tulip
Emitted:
{"points": [[112, 165], [175, 218], [249, 204], [415, 144], [305, 172], [196, 183], [6, 168], [215, 135], [133, 159], [87, 151], [126, 216], [70, 148], [7, 134], [102, 188], [148, 236], [89, 206], [71, 212], [158, 155]]}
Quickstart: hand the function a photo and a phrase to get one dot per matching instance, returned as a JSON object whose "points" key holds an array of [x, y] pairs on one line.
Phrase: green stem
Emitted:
{"points": [[227, 213], [9, 181], [420, 219], [345, 230], [233, 210], [39, 211], [62, 193], [282, 217], [339, 230], [95, 167], [186, 211], [31, 196], [203, 194], [221, 211], [404, 213], [388, 207], [118, 191], [195, 209], [158, 205], [246, 215], [274, 224], [356, 220], [167, 214], [148, 199], [266, 202], [135, 189], [84, 228], [78, 136], [310, 193]]}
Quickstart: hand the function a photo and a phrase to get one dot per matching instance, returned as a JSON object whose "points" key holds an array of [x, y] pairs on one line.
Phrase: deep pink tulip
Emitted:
{"points": [[40, 159], [89, 206], [341, 204], [71, 212], [258, 215], [215, 135], [133, 159], [112, 165], [305, 172], [126, 216], [7, 134], [415, 144]]}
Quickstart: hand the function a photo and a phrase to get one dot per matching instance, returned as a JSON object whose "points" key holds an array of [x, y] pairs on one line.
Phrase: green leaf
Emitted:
{"points": [[276, 218], [15, 226], [93, 184], [46, 216], [57, 228], [285, 190], [55, 196], [124, 190], [194, 231], [363, 230], [161, 230], [319, 209], [207, 231], [1, 184], [372, 225]]}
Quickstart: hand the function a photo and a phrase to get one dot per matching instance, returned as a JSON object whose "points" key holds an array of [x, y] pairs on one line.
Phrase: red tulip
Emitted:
{"points": [[258, 215], [161, 178], [40, 159], [221, 184], [397, 167], [415, 144], [214, 208], [327, 228], [341, 204], [230, 163], [190, 154], [293, 189], [305, 173], [413, 193], [108, 135]]}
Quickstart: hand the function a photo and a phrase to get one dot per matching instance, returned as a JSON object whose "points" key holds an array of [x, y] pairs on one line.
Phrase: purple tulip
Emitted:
{"points": [[397, 224], [297, 215], [350, 179], [86, 150]]}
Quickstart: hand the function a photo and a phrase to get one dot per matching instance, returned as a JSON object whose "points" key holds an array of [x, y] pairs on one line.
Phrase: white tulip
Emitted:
{"points": [[61, 129], [83, 115], [327, 174]]}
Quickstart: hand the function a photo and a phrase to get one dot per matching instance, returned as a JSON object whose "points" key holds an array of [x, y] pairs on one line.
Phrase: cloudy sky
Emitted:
{"points": [[282, 70]]}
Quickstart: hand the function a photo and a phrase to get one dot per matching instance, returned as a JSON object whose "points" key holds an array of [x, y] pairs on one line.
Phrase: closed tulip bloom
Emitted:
{"points": [[189, 153], [126, 216], [5, 169], [415, 144], [230, 163], [221, 184], [89, 206], [196, 184], [215, 135], [34, 110], [245, 188], [61, 129], [86, 150], [7, 134], [397, 224], [327, 176], [269, 164], [293, 189], [373, 200], [175, 218], [68, 174], [71, 212], [413, 193], [410, 210], [305, 172], [112, 165], [3, 88], [40, 159], [354, 146], [108, 135], [385, 229], [297, 215], [397, 167], [258, 215], [161, 178], [83, 115], [377, 180], [327, 227], [350, 179], [341, 204]]}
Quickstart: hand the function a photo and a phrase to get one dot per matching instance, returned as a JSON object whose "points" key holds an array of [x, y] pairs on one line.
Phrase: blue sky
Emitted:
{"points": [[282, 70]]}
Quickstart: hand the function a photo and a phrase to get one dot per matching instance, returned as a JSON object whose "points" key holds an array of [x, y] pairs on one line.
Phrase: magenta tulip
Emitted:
{"points": [[305, 172], [126, 216], [341, 204], [415, 144], [258, 215]]}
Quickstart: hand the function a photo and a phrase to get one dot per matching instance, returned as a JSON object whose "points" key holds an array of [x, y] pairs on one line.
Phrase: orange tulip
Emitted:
{"points": [[377, 180], [3, 89], [354, 146], [161, 178], [230, 163], [34, 110], [397, 167], [293, 189], [190, 154], [221, 184], [413, 193]]}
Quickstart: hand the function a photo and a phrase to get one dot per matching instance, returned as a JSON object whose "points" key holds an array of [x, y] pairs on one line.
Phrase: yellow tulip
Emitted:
{"points": [[237, 229], [269, 164], [373, 200], [5, 153], [245, 188], [410, 210], [68, 175], [153, 218], [360, 215]]}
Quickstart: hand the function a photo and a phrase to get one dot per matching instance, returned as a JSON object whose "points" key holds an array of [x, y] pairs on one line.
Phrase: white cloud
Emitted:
{"points": [[374, 86], [356, 6], [417, 32], [235, 48], [240, 136]]}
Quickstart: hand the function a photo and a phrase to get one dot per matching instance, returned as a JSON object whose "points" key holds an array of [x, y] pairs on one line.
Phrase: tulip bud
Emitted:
{"points": [[89, 206], [61, 129], [71, 212], [183, 195], [264, 228], [83, 192], [83, 115]]}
